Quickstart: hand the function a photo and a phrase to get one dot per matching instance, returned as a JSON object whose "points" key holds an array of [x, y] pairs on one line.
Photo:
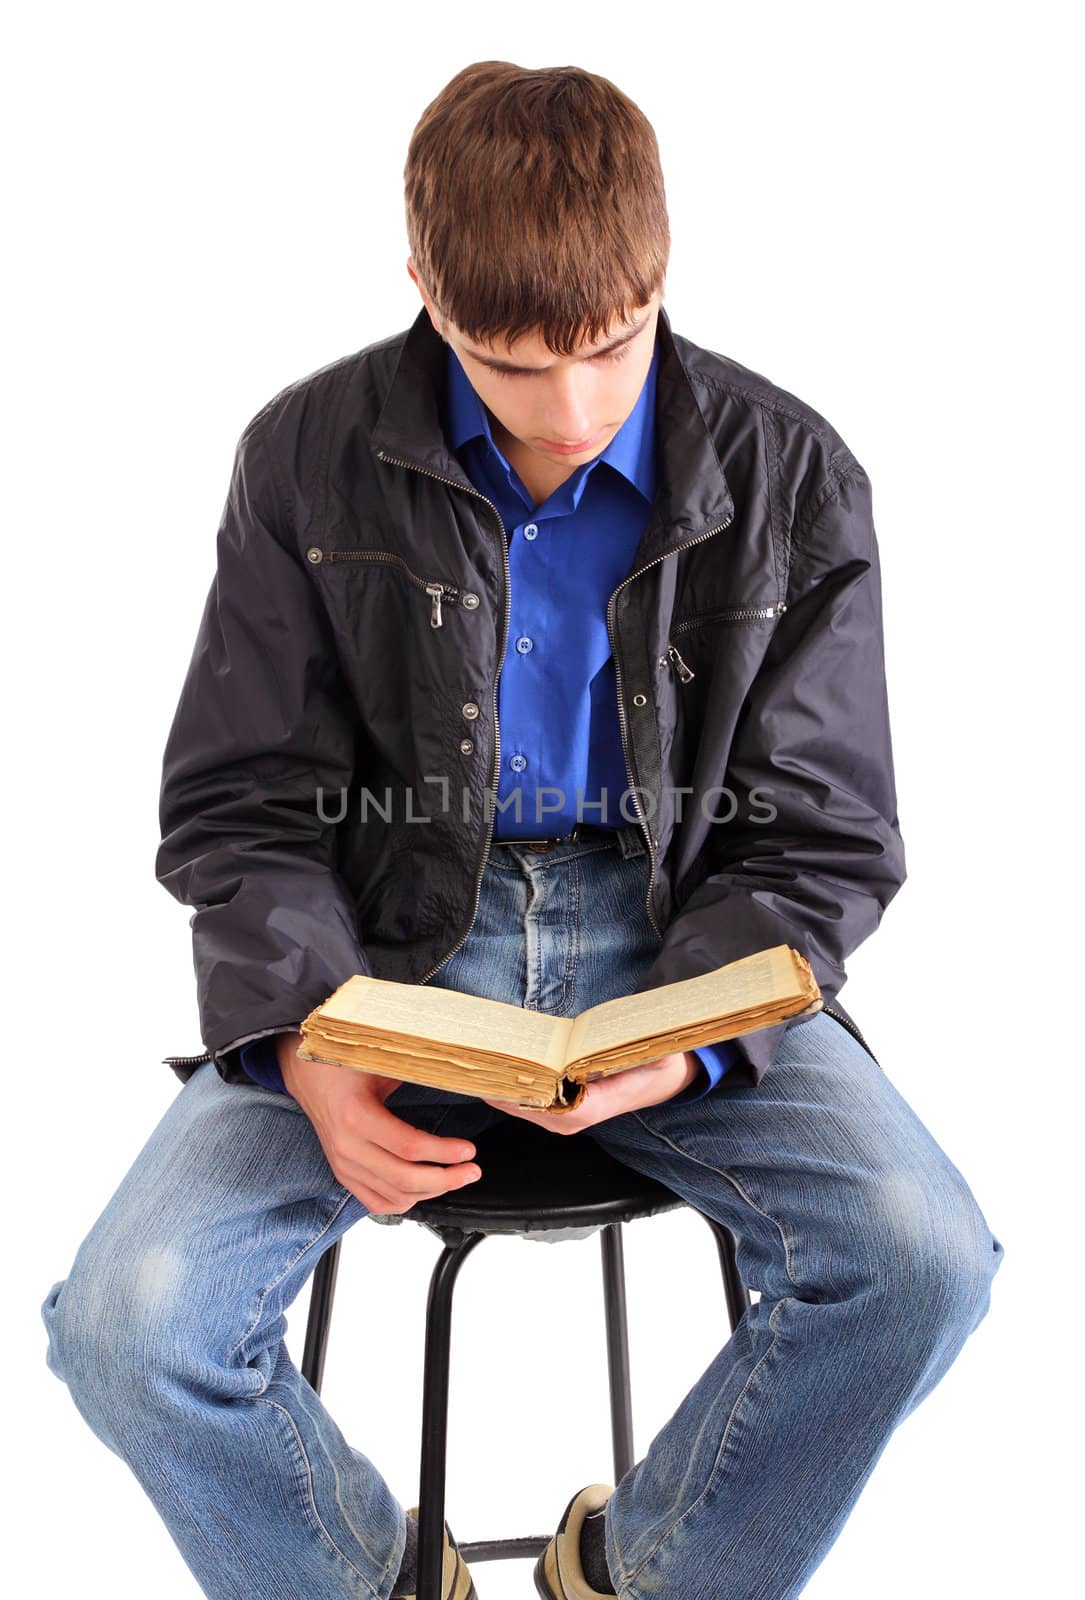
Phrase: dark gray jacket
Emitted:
{"points": [[327, 782]]}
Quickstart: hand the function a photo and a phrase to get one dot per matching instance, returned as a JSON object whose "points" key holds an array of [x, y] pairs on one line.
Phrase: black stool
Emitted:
{"points": [[538, 1183]]}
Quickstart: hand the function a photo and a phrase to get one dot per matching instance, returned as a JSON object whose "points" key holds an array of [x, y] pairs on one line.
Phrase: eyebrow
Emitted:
{"points": [[510, 366]]}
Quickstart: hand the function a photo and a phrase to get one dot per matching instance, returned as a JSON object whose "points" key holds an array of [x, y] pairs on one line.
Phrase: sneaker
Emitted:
{"points": [[559, 1573], [457, 1582]]}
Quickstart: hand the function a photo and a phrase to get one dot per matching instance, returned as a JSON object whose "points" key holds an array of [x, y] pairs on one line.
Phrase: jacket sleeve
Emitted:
{"points": [[813, 742], [262, 723]]}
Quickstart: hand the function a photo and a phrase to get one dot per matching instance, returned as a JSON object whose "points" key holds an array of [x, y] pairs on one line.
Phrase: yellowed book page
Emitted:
{"points": [[523, 1086], [748, 984], [466, 1021]]}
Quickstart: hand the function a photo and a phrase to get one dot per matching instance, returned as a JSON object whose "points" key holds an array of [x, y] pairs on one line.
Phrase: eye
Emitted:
{"points": [[614, 356]]}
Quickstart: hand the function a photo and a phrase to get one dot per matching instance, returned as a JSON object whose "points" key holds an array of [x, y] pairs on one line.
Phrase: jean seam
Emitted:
{"points": [[632, 1577], [652, 1133], [537, 894], [289, 1267], [312, 1506], [733, 1181], [572, 938]]}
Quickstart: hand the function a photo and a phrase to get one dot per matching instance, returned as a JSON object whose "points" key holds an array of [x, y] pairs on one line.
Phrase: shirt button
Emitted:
{"points": [[470, 709], [530, 530], [524, 644], [518, 763]]}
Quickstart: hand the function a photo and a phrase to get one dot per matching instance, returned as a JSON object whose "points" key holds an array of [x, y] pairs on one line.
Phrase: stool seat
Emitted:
{"points": [[545, 1186]]}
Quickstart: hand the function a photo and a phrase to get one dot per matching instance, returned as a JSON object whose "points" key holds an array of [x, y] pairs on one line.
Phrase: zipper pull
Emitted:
{"points": [[685, 673], [436, 590]]}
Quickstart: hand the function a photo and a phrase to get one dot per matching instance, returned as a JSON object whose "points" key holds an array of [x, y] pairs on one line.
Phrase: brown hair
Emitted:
{"points": [[535, 201]]}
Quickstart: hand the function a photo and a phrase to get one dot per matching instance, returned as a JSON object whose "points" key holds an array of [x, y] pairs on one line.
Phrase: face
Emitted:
{"points": [[550, 413]]}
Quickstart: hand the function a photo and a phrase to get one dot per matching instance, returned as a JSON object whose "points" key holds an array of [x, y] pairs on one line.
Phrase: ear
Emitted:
{"points": [[430, 307]]}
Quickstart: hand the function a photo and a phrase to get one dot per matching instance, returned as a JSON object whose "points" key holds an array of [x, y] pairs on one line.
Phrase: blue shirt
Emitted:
{"points": [[561, 748]]}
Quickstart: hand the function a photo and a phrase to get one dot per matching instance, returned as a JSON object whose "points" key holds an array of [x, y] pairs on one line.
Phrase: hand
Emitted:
{"points": [[385, 1162], [641, 1086]]}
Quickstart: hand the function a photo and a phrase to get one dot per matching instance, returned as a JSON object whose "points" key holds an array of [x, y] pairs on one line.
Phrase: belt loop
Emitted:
{"points": [[631, 841]]}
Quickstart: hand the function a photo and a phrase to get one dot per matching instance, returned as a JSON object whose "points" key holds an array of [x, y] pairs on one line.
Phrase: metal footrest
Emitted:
{"points": [[502, 1549]]}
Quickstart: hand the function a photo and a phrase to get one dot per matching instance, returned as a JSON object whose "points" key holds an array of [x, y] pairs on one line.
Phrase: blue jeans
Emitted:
{"points": [[872, 1259]]}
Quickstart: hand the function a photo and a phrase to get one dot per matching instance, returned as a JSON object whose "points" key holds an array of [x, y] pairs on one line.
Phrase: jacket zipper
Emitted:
{"points": [[449, 591], [437, 591], [854, 1031], [685, 673], [622, 725], [395, 461], [729, 614]]}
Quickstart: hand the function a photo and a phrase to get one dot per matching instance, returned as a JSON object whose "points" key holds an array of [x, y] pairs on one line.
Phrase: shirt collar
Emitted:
{"points": [[630, 452]]}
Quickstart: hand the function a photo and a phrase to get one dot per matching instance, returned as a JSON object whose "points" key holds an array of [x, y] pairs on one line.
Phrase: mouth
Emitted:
{"points": [[571, 449]]}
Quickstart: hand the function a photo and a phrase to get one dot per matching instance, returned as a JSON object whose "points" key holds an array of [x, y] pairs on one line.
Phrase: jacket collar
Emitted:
{"points": [[630, 451], [692, 494]]}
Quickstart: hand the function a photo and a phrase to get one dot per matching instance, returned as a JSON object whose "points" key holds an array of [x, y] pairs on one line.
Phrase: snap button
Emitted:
{"points": [[314, 554], [640, 699], [470, 600], [470, 709], [467, 745]]}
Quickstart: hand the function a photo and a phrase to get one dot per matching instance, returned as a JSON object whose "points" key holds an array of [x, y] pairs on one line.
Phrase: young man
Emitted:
{"points": [[543, 660]]}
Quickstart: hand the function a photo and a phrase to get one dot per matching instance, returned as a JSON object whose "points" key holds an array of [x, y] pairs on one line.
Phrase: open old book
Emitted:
{"points": [[499, 1051]]}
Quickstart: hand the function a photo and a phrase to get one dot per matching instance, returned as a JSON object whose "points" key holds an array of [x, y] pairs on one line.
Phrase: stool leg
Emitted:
{"points": [[431, 1475], [735, 1291], [621, 1404], [320, 1314]]}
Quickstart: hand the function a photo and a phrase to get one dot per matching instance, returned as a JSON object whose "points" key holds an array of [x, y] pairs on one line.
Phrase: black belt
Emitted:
{"points": [[583, 830]]}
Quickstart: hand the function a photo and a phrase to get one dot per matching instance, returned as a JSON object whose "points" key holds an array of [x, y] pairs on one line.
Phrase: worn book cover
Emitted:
{"points": [[499, 1051]]}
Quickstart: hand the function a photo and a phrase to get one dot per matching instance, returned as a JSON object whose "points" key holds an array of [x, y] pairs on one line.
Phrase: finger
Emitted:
{"points": [[370, 1198], [417, 1180], [509, 1107], [526, 1113], [403, 1139], [418, 1183], [359, 1153]]}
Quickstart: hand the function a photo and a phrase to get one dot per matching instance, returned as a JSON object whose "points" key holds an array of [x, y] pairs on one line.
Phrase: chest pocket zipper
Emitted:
{"points": [[438, 592], [671, 655]]}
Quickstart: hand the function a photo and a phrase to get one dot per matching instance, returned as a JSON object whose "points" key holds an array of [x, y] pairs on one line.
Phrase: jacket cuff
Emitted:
{"points": [[251, 1059]]}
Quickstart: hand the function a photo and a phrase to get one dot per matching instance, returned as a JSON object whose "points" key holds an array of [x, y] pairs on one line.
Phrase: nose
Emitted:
{"points": [[568, 416]]}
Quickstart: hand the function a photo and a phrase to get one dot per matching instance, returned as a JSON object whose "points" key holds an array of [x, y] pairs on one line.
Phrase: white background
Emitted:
{"points": [[872, 207]]}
